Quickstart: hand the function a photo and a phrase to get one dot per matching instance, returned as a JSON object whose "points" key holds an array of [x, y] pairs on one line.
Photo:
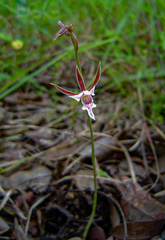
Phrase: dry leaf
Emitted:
{"points": [[102, 148], [37, 179], [139, 230], [84, 179], [139, 205]]}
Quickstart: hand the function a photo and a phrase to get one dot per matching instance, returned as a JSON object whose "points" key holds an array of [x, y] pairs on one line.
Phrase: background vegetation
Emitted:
{"points": [[128, 37]]}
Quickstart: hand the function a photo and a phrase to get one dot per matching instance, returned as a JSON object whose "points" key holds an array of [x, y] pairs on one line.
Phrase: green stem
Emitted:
{"points": [[76, 53], [93, 153], [95, 182]]}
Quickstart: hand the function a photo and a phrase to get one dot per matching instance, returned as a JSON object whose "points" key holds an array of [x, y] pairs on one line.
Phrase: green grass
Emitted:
{"points": [[128, 37]]}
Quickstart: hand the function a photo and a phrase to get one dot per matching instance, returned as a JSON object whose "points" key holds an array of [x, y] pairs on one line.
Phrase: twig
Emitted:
{"points": [[130, 164], [32, 208], [122, 215], [149, 138]]}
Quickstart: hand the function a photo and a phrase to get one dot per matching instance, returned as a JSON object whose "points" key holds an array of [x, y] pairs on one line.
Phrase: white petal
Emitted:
{"points": [[89, 107], [86, 92], [92, 91], [76, 97]]}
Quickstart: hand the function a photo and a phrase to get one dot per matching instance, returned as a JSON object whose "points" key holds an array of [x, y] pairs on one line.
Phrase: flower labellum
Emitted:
{"points": [[84, 95]]}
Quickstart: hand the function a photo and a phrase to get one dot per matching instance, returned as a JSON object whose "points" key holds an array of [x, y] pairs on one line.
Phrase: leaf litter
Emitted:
{"points": [[46, 181]]}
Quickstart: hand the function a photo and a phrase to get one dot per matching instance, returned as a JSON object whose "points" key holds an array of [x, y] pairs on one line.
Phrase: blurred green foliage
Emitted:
{"points": [[128, 37]]}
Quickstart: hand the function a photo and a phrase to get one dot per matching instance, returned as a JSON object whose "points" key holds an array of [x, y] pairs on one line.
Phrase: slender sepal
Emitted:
{"points": [[80, 79], [97, 77], [64, 90]]}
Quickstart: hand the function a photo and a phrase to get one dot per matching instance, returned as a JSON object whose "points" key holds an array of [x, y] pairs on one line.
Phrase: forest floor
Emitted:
{"points": [[46, 172]]}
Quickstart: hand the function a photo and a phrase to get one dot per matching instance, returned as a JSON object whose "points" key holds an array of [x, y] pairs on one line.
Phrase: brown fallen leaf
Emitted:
{"points": [[37, 178], [139, 230], [114, 217], [103, 147], [84, 179], [139, 205]]}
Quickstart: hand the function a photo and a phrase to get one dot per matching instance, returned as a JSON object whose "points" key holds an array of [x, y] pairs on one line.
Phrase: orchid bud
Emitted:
{"points": [[66, 29]]}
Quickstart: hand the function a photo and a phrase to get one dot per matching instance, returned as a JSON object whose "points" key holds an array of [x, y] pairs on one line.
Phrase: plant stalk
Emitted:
{"points": [[95, 182], [76, 53], [93, 154]]}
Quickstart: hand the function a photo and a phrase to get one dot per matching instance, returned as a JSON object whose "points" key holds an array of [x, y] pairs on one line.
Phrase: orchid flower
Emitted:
{"points": [[84, 95], [66, 29]]}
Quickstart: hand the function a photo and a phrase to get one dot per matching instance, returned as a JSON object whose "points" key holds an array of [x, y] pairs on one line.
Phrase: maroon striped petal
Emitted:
{"points": [[80, 79], [63, 90], [98, 74]]}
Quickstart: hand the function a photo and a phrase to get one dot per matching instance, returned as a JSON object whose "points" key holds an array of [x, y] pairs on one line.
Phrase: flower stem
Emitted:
{"points": [[95, 182], [93, 153], [76, 53]]}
